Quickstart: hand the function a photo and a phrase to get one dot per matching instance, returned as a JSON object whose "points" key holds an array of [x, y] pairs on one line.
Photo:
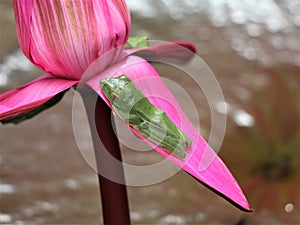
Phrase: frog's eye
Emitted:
{"points": [[114, 96]]}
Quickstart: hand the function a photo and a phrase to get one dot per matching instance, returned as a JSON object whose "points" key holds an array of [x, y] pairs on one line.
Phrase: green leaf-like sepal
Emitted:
{"points": [[137, 42]]}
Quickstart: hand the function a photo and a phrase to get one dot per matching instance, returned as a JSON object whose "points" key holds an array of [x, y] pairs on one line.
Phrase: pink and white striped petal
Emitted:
{"points": [[216, 175], [32, 95]]}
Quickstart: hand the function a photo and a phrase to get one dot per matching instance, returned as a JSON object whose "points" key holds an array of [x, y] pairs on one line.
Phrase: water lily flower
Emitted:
{"points": [[64, 38]]}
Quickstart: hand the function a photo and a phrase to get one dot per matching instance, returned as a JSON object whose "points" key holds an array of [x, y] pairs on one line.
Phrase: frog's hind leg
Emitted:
{"points": [[162, 138]]}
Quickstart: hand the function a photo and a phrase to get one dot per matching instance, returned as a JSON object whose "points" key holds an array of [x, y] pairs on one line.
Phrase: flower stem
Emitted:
{"points": [[113, 194]]}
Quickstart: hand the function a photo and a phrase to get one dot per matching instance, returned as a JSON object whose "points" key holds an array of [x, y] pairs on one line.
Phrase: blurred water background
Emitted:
{"points": [[252, 46]]}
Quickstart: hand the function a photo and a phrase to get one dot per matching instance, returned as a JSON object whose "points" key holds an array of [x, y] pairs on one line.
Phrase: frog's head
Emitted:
{"points": [[118, 90]]}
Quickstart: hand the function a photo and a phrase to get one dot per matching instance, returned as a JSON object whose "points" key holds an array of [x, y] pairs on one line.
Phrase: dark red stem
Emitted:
{"points": [[113, 194]]}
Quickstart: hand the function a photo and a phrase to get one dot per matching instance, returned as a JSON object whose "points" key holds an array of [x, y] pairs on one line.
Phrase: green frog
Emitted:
{"points": [[152, 123]]}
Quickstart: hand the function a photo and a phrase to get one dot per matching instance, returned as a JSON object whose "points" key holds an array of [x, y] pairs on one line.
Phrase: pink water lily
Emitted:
{"points": [[64, 38]]}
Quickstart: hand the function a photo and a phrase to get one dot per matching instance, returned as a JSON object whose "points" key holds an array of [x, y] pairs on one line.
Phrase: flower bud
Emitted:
{"points": [[63, 37]]}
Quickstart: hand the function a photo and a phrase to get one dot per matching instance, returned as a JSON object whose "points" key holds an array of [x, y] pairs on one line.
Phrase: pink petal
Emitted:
{"points": [[170, 52], [31, 95], [216, 176]]}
